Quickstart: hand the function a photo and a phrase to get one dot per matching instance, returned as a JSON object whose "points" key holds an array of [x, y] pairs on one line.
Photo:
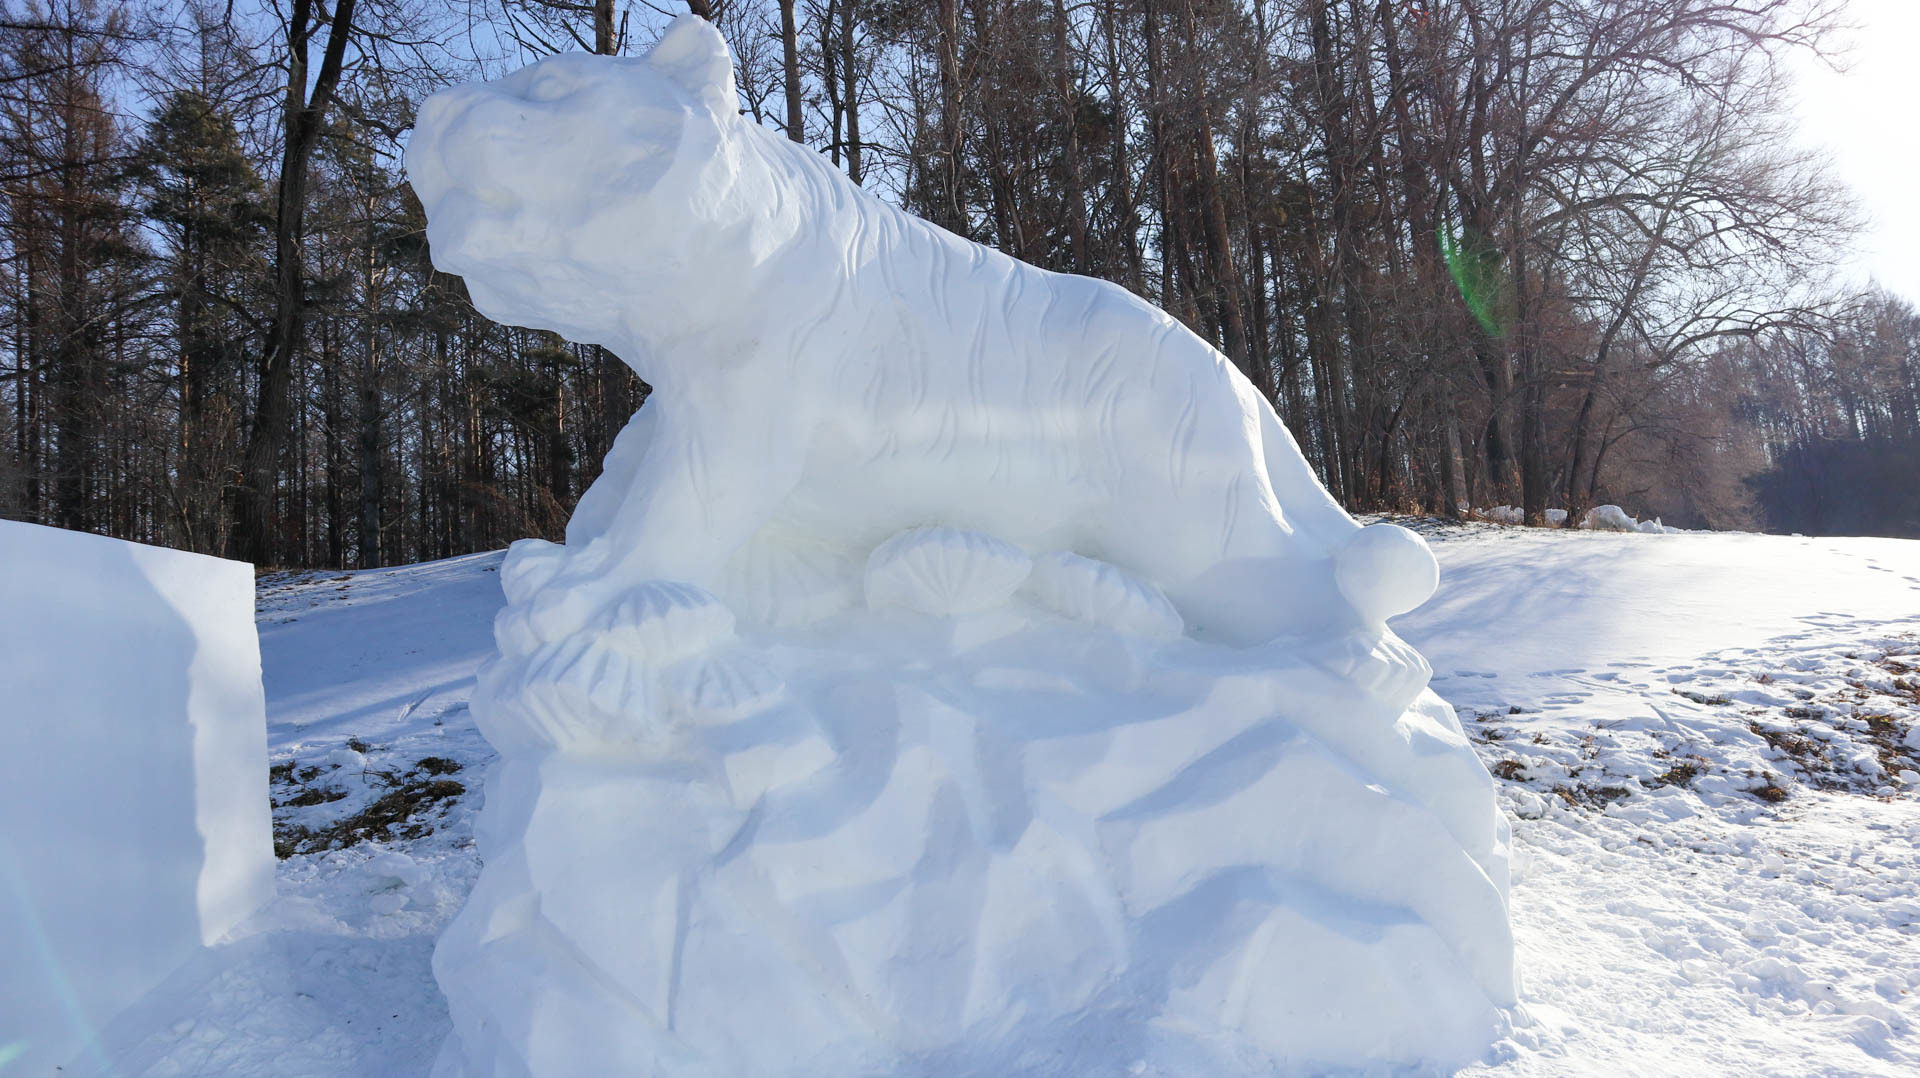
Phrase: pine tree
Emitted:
{"points": [[208, 204]]}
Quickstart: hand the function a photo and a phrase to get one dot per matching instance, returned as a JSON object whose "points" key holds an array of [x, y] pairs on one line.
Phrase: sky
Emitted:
{"points": [[1868, 120]]}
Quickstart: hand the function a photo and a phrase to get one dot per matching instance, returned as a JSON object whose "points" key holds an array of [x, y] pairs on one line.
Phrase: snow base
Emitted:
{"points": [[1006, 841]]}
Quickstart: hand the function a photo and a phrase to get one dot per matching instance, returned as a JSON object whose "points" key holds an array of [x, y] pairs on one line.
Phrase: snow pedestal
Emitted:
{"points": [[956, 670], [997, 843], [1012, 841], [134, 825]]}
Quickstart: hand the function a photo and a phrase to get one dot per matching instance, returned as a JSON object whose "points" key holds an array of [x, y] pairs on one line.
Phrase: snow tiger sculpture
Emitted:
{"points": [[957, 667]]}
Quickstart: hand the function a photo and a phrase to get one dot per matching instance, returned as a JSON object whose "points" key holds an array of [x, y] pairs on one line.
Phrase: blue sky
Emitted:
{"points": [[1865, 119]]}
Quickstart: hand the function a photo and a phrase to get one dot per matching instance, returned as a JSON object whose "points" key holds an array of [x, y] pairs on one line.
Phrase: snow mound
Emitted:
{"points": [[1173, 798], [945, 571], [1615, 519], [1100, 594], [1513, 514]]}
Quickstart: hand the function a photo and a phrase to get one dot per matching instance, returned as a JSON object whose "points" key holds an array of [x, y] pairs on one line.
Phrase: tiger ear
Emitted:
{"points": [[694, 55]]}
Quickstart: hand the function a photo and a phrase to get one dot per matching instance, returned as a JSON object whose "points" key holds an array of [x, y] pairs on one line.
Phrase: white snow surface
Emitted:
{"points": [[133, 824], [1682, 928], [1184, 803]]}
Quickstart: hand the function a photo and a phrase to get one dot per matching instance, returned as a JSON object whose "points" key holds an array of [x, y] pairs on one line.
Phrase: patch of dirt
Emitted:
{"points": [[313, 795], [1715, 700], [1870, 713], [1680, 774], [406, 812]]}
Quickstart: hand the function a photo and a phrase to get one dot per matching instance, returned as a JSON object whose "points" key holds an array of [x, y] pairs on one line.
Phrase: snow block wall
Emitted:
{"points": [[957, 668], [134, 825]]}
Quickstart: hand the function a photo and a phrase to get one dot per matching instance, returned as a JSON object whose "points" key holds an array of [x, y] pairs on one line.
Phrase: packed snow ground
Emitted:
{"points": [[1700, 739], [1647, 698]]}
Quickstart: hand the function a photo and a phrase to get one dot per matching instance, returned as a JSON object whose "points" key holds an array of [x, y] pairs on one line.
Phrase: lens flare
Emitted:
{"points": [[27, 922], [1477, 275]]}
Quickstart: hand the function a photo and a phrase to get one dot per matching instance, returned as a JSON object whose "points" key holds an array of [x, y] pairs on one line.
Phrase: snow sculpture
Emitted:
{"points": [[134, 826], [957, 668]]}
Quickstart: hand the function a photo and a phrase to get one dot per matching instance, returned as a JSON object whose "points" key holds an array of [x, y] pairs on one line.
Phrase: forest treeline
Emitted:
{"points": [[1547, 253]]}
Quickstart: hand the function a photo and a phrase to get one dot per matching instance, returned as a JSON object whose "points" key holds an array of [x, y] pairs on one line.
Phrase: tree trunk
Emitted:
{"points": [[333, 421], [947, 213], [830, 78], [1449, 483], [369, 459], [74, 392], [1213, 215], [1175, 292], [790, 72], [1126, 223], [850, 95], [604, 42], [1074, 195], [301, 120]]}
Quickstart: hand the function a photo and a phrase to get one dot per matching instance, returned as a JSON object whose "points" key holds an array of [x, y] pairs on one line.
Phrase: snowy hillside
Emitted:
{"points": [[1701, 739]]}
